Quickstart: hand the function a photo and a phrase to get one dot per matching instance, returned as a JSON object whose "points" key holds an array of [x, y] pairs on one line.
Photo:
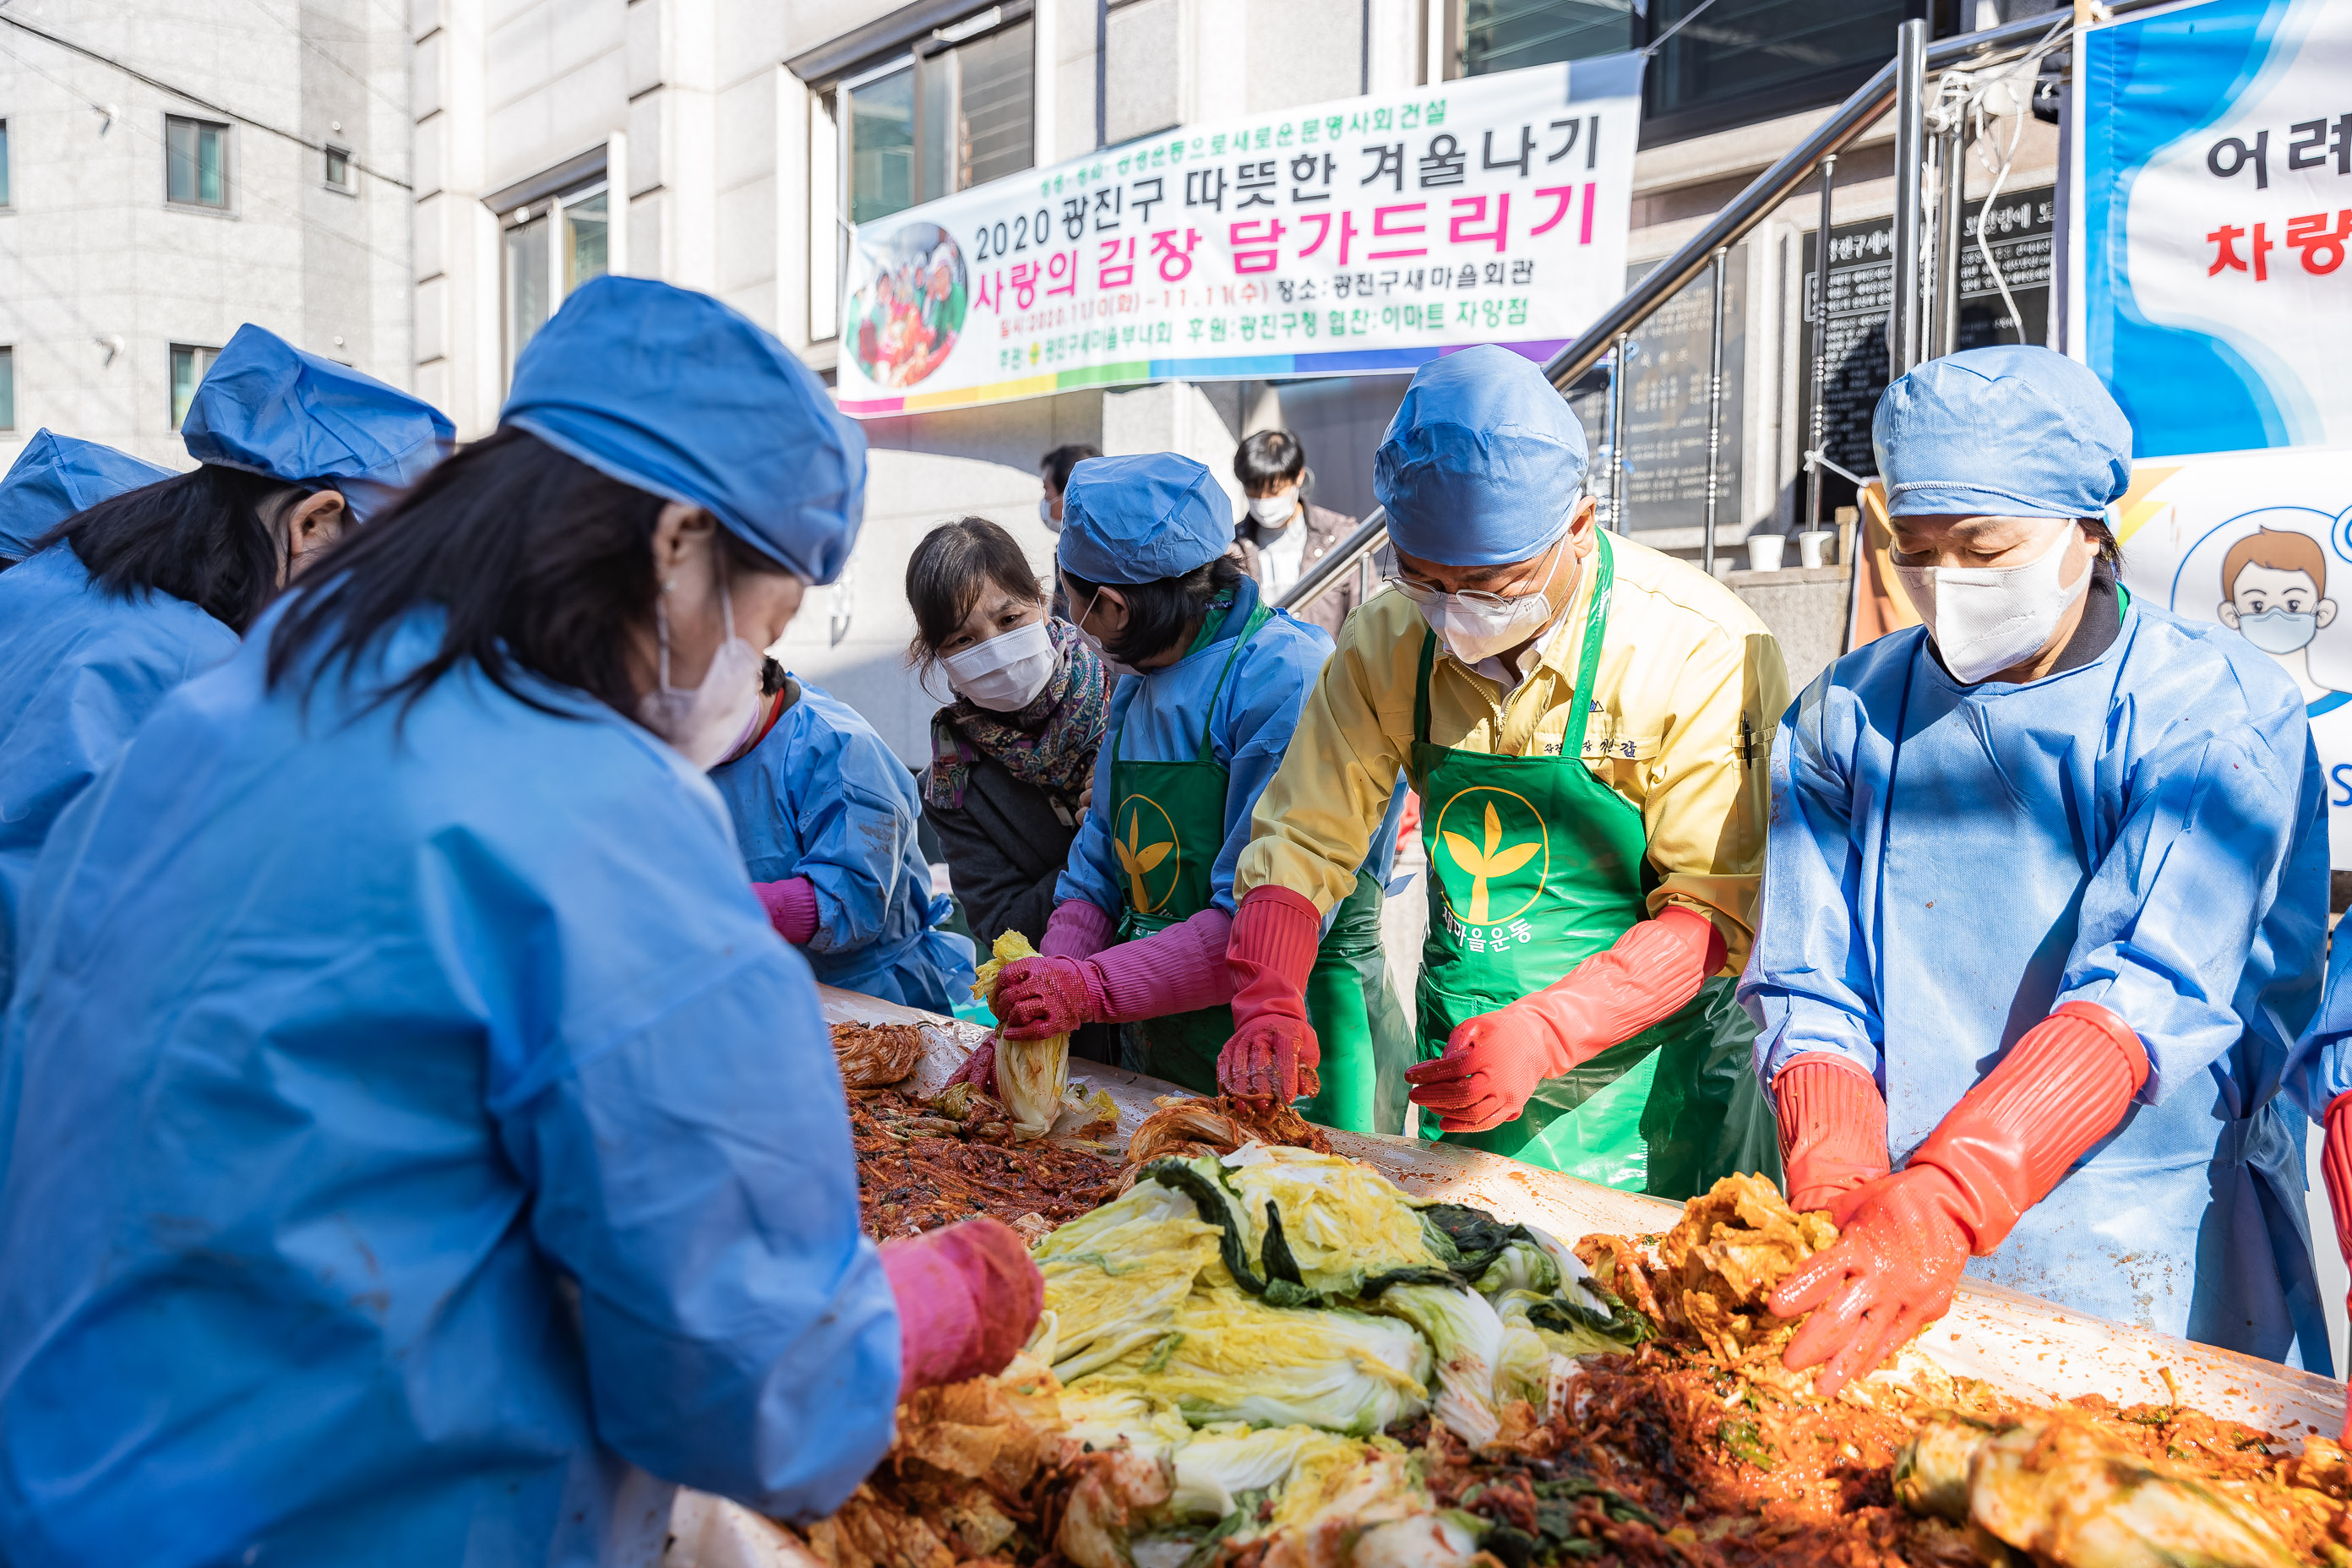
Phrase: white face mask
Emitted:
{"points": [[2280, 631], [1479, 626], [1005, 673], [1045, 514], [1986, 619], [1094, 642], [705, 725], [1274, 511]]}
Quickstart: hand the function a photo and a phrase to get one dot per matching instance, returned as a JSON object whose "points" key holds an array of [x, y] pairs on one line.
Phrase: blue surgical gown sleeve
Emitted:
{"points": [[693, 1173], [854, 802], [1258, 713], [1092, 871], [1808, 982], [2215, 822]]}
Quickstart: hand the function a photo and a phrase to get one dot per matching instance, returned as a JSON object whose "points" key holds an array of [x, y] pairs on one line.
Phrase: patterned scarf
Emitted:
{"points": [[1050, 743]]}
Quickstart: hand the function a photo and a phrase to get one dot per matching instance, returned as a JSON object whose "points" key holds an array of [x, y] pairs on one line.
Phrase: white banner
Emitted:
{"points": [[1349, 238], [2260, 543]]}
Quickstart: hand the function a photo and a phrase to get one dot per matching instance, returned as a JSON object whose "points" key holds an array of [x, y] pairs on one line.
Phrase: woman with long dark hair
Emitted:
{"points": [[119, 603], [421, 1134]]}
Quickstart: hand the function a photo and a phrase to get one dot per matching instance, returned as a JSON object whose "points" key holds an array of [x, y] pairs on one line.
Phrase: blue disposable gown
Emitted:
{"points": [[1948, 863], [80, 668], [1157, 717], [2321, 1067], [423, 1137], [822, 797]]}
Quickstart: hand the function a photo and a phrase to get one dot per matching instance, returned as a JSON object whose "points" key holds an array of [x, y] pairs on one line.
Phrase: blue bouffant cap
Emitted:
{"points": [[55, 477], [2014, 431], [1483, 463], [1138, 519], [672, 391], [269, 408]]}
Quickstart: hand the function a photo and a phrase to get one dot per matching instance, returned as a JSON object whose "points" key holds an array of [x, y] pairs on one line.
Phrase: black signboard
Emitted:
{"points": [[1861, 280]]}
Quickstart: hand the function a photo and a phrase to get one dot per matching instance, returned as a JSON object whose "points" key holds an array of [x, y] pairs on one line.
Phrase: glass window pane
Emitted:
{"points": [[179, 159], [339, 167], [882, 147], [993, 135], [189, 366], [1801, 52], [212, 165], [7, 389], [3, 163], [936, 126], [584, 237], [526, 283], [1504, 35]]}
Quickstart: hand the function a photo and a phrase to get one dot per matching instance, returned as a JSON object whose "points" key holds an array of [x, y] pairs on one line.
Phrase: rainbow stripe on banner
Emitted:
{"points": [[1252, 367]]}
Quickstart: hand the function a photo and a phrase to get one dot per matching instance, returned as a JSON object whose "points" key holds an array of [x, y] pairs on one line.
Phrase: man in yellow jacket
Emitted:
{"points": [[1589, 724]]}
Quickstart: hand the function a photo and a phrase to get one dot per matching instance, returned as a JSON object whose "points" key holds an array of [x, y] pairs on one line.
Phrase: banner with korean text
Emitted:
{"points": [[1351, 239], [2216, 143]]}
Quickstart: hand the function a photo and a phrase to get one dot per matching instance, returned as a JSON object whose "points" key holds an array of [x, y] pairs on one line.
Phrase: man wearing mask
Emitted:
{"points": [[1053, 469], [1586, 720], [1282, 537], [2045, 908]]}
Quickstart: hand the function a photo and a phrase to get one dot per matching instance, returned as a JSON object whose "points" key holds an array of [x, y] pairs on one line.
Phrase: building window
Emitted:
{"points": [[954, 113], [551, 248], [196, 161], [1742, 61], [7, 389], [339, 169], [5, 198], [190, 365]]}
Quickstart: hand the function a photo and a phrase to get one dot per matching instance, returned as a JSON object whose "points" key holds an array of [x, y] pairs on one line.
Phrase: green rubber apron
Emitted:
{"points": [[1168, 826], [1534, 866], [1366, 1041]]}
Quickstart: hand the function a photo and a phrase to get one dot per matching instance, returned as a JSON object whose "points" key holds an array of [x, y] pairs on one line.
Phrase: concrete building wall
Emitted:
{"points": [[99, 275], [719, 147]]}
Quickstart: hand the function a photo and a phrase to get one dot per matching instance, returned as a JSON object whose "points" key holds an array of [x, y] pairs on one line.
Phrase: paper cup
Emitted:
{"points": [[1764, 551], [1812, 545]]}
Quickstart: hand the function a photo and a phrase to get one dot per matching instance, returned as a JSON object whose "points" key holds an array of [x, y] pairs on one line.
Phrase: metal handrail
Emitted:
{"points": [[1763, 194]]}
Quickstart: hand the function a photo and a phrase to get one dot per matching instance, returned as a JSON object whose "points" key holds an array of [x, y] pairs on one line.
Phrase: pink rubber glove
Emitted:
{"points": [[978, 1068], [1177, 970], [1903, 1238], [1079, 930], [1040, 996], [1833, 1128], [792, 907], [1274, 1054], [2336, 1168], [968, 1296], [1493, 1062]]}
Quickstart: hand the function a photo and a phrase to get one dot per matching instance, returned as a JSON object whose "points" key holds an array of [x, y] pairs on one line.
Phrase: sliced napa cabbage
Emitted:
{"points": [[1218, 1465], [1467, 1336], [1379, 1483], [1228, 1356], [1324, 1221], [1530, 1367], [1113, 1276], [1031, 1075], [1104, 1416], [1522, 1264]]}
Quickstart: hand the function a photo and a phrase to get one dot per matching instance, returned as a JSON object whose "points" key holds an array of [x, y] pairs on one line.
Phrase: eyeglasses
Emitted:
{"points": [[1422, 595]]}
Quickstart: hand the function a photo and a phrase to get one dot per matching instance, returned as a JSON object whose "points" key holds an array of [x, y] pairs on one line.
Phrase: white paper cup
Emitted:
{"points": [[1811, 545], [1764, 551]]}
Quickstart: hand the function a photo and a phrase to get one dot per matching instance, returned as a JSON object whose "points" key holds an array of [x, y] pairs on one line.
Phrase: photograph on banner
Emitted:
{"points": [[1359, 237], [2260, 542], [2216, 142]]}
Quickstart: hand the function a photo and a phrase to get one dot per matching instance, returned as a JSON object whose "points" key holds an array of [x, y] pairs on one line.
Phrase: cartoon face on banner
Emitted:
{"points": [[2261, 544]]}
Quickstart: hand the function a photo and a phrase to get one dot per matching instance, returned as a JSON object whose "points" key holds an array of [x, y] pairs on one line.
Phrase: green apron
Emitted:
{"points": [[1534, 866], [1169, 824]]}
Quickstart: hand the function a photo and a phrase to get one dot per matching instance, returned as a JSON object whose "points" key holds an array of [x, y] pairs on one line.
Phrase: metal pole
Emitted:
{"points": [[1904, 338], [1617, 437], [1818, 427], [1714, 416], [1949, 240]]}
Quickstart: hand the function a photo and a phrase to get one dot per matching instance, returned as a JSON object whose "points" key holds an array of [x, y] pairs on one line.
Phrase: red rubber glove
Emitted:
{"points": [[1273, 1054], [2336, 1167], [2001, 1150], [792, 907], [1494, 1062], [1040, 996], [1833, 1128], [968, 1296], [978, 1068]]}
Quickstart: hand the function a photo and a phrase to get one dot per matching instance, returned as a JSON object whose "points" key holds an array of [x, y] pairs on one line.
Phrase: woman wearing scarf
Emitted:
{"points": [[1013, 757]]}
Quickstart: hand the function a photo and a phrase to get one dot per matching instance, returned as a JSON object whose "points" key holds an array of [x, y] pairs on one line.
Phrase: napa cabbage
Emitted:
{"points": [[1031, 1075], [1113, 1276]]}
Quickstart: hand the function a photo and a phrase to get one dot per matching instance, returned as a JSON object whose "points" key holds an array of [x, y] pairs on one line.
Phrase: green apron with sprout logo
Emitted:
{"points": [[1535, 865]]}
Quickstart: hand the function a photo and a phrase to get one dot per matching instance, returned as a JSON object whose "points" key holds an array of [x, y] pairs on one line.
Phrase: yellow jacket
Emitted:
{"points": [[1691, 688]]}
